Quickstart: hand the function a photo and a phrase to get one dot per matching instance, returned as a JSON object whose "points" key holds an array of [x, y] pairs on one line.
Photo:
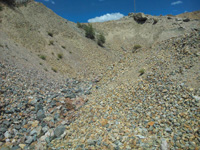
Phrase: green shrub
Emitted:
{"points": [[101, 40], [51, 43], [89, 32], [79, 25], [63, 47], [82, 26], [50, 34], [136, 47], [1, 8], [15, 2], [43, 57], [60, 56], [54, 69], [141, 71]]}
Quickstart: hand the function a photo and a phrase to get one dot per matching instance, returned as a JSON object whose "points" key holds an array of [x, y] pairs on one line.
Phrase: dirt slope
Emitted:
{"points": [[143, 99], [30, 31], [190, 15], [126, 32]]}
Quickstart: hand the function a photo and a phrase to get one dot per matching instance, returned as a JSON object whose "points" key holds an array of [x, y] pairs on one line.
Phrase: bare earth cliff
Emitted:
{"points": [[61, 90]]}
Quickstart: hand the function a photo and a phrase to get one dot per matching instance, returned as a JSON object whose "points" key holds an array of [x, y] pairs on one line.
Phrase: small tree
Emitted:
{"points": [[1, 8], [79, 25], [89, 32], [101, 40], [15, 2], [137, 47]]}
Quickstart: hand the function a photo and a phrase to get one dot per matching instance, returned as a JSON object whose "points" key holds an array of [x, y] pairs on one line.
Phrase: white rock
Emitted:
{"points": [[164, 145], [48, 134], [39, 146], [7, 134], [141, 137]]}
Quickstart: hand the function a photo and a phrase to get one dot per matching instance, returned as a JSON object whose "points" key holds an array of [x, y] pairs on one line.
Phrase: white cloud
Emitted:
{"points": [[176, 2], [52, 2], [107, 17]]}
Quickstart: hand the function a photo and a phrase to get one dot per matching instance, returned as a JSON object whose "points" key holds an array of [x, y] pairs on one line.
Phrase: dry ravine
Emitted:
{"points": [[99, 98]]}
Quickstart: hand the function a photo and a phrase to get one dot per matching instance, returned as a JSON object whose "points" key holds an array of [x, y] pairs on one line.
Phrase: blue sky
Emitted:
{"points": [[88, 10]]}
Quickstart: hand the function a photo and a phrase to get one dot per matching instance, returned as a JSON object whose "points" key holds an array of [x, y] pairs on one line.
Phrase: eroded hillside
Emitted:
{"points": [[60, 90], [34, 35], [123, 34]]}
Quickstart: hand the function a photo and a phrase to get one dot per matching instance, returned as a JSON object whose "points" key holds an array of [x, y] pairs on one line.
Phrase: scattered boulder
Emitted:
{"points": [[179, 19], [22, 146], [91, 142], [152, 21], [5, 148], [59, 131], [29, 140], [130, 14], [40, 115], [7, 134], [164, 145], [186, 20], [169, 17], [140, 17]]}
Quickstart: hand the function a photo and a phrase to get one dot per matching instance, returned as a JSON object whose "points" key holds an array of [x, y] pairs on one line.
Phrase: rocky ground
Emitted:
{"points": [[160, 110], [33, 106], [125, 108]]}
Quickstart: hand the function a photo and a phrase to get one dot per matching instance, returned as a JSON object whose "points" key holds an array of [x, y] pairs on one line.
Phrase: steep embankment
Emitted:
{"points": [[127, 32], [32, 32]]}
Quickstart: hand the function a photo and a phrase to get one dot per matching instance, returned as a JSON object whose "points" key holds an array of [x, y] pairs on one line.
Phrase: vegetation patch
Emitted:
{"points": [[54, 69], [43, 57], [142, 71], [63, 47], [13, 3], [51, 43], [137, 47], [101, 39], [89, 32], [50, 34], [60, 56], [79, 25], [1, 8]]}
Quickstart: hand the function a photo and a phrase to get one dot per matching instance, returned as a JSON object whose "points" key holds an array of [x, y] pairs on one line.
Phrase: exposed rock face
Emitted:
{"points": [[140, 17]]}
